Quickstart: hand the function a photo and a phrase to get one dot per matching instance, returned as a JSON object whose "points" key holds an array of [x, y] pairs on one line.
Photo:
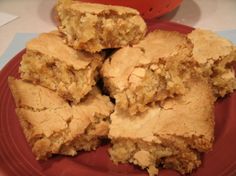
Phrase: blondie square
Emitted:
{"points": [[215, 55], [153, 70], [93, 27], [52, 126], [173, 135], [49, 62]]}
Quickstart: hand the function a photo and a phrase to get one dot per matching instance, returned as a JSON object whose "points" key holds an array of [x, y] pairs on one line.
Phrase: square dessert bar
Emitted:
{"points": [[170, 136], [93, 27], [215, 55], [153, 70], [49, 62], [52, 126]]}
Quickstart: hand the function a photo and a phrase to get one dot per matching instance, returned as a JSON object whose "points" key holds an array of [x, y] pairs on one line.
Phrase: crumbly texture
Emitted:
{"points": [[52, 126], [153, 70], [160, 66], [172, 135], [49, 62], [215, 56], [93, 27]]}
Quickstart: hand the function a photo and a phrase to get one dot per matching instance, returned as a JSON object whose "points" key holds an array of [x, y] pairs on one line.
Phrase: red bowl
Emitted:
{"points": [[148, 8]]}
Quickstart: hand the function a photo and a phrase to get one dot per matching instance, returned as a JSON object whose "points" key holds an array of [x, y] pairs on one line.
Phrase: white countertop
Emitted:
{"points": [[35, 16]]}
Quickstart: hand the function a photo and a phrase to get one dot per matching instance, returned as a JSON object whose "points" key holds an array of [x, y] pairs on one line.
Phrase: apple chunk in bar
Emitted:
{"points": [[52, 126]]}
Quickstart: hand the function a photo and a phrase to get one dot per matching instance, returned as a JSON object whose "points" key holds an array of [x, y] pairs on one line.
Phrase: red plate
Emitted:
{"points": [[16, 157]]}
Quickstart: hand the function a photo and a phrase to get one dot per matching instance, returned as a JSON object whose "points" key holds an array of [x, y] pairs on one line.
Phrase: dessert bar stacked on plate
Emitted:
{"points": [[164, 85]]}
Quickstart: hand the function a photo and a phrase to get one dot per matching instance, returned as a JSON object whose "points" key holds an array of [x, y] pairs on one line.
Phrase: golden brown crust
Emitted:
{"points": [[188, 116], [93, 27], [173, 134], [48, 61], [153, 70], [207, 45], [95, 8], [215, 56], [52, 45], [52, 126], [160, 65], [37, 97]]}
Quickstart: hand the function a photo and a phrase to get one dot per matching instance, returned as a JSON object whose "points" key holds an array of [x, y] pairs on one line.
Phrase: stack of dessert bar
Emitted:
{"points": [[60, 107], [164, 85]]}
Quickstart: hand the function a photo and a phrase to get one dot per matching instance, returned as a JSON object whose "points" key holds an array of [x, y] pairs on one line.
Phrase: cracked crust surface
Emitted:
{"points": [[215, 55], [160, 65], [52, 126], [173, 134], [48, 61], [93, 27], [153, 70]]}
